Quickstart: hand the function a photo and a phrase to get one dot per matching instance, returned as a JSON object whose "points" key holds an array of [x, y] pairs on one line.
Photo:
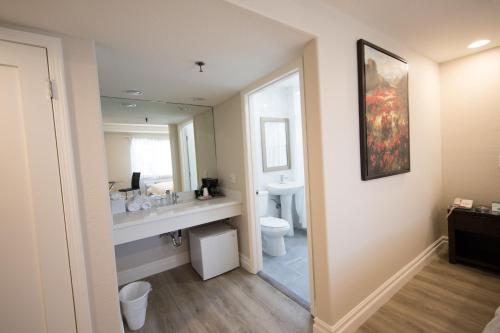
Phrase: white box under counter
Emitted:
{"points": [[131, 226]]}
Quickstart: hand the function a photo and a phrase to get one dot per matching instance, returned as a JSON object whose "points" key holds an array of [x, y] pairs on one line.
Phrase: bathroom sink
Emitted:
{"points": [[287, 188], [285, 191]]}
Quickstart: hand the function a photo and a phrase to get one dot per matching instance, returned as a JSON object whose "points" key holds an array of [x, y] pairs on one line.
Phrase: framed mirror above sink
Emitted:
{"points": [[275, 135]]}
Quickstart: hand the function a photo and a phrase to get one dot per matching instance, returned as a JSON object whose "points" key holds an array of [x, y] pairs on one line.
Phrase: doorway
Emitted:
{"points": [[277, 179]]}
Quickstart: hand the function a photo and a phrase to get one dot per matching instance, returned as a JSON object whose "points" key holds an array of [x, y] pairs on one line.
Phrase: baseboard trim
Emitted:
{"points": [[320, 326], [151, 268], [245, 263], [364, 310]]}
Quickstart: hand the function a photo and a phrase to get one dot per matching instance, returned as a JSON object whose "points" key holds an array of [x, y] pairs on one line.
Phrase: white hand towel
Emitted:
{"points": [[133, 206]]}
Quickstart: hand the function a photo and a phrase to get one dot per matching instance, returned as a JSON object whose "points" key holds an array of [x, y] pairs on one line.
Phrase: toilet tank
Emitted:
{"points": [[262, 202]]}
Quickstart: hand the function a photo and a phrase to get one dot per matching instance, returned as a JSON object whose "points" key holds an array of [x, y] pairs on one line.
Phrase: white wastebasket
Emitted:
{"points": [[134, 302]]}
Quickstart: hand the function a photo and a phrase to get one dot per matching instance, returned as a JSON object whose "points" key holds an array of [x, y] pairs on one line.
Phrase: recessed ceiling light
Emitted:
{"points": [[198, 99], [478, 43], [133, 92], [185, 108], [129, 105]]}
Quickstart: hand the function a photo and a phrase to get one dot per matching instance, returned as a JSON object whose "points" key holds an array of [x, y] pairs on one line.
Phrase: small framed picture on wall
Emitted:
{"points": [[384, 119]]}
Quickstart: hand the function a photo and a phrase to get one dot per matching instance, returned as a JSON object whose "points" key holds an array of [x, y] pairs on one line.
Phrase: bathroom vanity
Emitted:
{"points": [[131, 226]]}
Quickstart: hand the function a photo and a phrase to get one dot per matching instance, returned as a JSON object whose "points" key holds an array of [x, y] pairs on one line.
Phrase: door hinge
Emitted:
{"points": [[51, 89]]}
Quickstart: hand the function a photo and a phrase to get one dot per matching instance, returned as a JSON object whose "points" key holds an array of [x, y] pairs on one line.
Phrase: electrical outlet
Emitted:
{"points": [[232, 178]]}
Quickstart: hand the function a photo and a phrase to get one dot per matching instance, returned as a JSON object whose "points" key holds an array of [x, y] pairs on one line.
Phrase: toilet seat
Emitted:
{"points": [[273, 222]]}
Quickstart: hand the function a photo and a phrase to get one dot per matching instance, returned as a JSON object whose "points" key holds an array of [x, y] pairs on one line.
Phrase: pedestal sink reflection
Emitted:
{"points": [[285, 191]]}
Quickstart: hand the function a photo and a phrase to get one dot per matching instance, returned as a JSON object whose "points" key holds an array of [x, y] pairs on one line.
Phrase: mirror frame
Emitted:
{"points": [[263, 121]]}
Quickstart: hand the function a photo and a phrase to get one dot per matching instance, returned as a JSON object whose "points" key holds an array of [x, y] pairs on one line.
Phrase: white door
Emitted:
{"points": [[35, 282]]}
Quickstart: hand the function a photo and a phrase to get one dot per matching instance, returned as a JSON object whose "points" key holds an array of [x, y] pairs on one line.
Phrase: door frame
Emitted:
{"points": [[69, 189], [184, 160], [255, 260]]}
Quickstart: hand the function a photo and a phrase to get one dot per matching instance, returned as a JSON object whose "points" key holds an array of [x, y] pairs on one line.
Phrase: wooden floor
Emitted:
{"points": [[234, 302], [441, 298]]}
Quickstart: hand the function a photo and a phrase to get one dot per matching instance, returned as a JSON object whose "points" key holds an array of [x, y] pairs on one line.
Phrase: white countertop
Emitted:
{"points": [[132, 226]]}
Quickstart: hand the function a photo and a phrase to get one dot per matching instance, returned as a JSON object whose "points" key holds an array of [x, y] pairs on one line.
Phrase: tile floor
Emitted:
{"points": [[291, 270]]}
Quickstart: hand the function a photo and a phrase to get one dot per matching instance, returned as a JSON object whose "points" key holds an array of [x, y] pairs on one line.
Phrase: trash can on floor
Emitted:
{"points": [[134, 302]]}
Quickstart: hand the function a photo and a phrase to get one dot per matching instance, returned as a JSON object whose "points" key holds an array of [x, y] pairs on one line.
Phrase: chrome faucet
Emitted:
{"points": [[283, 179], [168, 198], [175, 198], [172, 198]]}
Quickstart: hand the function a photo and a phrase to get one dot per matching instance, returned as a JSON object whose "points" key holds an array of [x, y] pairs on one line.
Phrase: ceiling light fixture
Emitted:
{"points": [[200, 64], [129, 105], [478, 43], [133, 92]]}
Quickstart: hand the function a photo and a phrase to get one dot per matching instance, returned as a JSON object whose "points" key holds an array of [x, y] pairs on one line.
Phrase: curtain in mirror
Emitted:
{"points": [[151, 157]]}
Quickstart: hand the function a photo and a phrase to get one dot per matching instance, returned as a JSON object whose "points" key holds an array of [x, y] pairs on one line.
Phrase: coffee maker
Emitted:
{"points": [[212, 184]]}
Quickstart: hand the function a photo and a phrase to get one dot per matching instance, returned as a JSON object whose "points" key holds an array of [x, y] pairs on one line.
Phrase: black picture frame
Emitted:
{"points": [[369, 172]]}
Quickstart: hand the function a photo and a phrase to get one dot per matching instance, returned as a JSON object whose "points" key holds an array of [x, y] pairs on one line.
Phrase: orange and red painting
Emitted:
{"points": [[384, 115]]}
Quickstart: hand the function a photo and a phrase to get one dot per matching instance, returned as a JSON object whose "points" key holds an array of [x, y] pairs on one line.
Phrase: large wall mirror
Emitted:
{"points": [[171, 145], [275, 144]]}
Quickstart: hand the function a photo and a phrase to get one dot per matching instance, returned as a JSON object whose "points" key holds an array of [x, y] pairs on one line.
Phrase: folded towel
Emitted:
{"points": [[133, 206]]}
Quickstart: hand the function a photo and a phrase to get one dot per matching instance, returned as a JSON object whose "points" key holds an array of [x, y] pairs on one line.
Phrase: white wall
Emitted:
{"points": [[230, 160], [84, 104], [371, 229], [471, 127]]}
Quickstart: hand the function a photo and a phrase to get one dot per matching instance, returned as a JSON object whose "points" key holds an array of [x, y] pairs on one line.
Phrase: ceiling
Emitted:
{"points": [[119, 111], [439, 29], [151, 45]]}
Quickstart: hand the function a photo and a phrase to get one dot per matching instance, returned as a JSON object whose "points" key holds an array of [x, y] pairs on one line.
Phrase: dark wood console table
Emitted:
{"points": [[474, 238]]}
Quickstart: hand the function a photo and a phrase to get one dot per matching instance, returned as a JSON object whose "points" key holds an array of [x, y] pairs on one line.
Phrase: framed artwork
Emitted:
{"points": [[384, 122]]}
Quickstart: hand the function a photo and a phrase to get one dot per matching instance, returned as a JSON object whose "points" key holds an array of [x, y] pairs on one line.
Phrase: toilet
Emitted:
{"points": [[273, 229]]}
